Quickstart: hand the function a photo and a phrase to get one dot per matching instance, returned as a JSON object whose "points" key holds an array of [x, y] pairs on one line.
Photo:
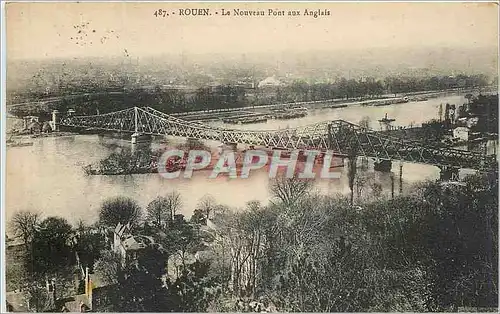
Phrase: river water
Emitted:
{"points": [[48, 176]]}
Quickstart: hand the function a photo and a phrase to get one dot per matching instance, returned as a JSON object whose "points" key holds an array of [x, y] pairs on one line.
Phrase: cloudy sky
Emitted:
{"points": [[47, 30]]}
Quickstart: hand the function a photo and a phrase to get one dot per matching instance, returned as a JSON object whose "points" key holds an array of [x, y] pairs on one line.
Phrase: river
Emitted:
{"points": [[48, 176]]}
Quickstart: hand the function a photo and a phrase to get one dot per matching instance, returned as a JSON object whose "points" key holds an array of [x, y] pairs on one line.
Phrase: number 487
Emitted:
{"points": [[160, 13]]}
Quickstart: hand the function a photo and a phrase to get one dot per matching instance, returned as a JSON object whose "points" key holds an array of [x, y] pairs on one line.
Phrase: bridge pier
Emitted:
{"points": [[400, 177], [449, 173], [134, 138], [383, 165], [137, 138], [364, 163], [231, 145]]}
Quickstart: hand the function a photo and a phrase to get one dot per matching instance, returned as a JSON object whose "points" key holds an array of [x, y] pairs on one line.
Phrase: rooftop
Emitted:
{"points": [[137, 242]]}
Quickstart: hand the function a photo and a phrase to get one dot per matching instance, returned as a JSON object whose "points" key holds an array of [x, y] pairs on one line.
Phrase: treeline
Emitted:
{"points": [[371, 88], [485, 108], [433, 249], [231, 96]]}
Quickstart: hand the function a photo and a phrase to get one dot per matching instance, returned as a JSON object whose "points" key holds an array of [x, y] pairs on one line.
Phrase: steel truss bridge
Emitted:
{"points": [[343, 138]]}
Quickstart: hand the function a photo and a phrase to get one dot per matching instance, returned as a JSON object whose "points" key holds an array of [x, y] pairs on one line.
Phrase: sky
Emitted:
{"points": [[49, 30]]}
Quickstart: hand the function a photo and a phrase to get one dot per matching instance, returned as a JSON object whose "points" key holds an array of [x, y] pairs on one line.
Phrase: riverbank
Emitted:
{"points": [[13, 136], [24, 140], [211, 115], [320, 103]]}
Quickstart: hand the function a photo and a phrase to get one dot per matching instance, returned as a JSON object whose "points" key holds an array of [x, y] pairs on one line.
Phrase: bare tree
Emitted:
{"points": [[162, 209], [290, 190], [207, 205], [241, 246], [351, 173], [349, 140], [365, 122], [37, 299], [360, 182], [174, 202], [24, 224], [119, 210]]}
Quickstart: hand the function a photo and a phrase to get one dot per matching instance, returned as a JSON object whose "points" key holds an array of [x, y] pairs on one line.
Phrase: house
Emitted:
{"points": [[34, 127], [129, 246], [34, 298], [46, 127], [102, 297], [28, 120], [16, 301], [461, 133], [271, 81], [120, 232]]}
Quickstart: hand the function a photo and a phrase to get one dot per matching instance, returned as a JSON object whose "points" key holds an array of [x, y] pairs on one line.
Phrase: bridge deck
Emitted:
{"points": [[339, 136]]}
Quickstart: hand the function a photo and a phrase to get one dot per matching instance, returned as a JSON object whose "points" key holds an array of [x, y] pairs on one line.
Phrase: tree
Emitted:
{"points": [[16, 275], [206, 206], [38, 299], [468, 97], [464, 220], [119, 210], [365, 123], [87, 244], [290, 190], [182, 239], [109, 267], [24, 224], [51, 245], [198, 217], [363, 180], [161, 210], [194, 290], [351, 171], [193, 144]]}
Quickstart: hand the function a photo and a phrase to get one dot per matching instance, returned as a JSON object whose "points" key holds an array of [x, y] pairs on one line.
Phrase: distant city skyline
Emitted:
{"points": [[66, 30]]}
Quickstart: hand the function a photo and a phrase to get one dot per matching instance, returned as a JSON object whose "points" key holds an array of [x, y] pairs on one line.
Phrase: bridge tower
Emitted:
{"points": [[138, 137], [400, 177], [449, 173], [135, 135], [55, 120]]}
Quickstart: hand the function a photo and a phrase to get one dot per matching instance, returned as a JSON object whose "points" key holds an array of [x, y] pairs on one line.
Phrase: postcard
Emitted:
{"points": [[250, 157]]}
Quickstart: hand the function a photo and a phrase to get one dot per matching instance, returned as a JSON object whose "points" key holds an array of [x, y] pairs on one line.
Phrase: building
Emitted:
{"points": [[34, 127], [46, 127], [129, 246], [271, 81], [461, 133], [16, 301], [102, 297], [28, 120]]}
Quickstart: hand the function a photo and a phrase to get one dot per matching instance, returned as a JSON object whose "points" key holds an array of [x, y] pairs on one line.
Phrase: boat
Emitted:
{"points": [[337, 106], [290, 113], [19, 144], [245, 120], [386, 120], [299, 109], [419, 98], [391, 102], [401, 100], [383, 103]]}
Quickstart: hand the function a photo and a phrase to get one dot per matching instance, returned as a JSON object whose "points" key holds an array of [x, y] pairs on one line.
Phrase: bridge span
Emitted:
{"points": [[345, 139]]}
